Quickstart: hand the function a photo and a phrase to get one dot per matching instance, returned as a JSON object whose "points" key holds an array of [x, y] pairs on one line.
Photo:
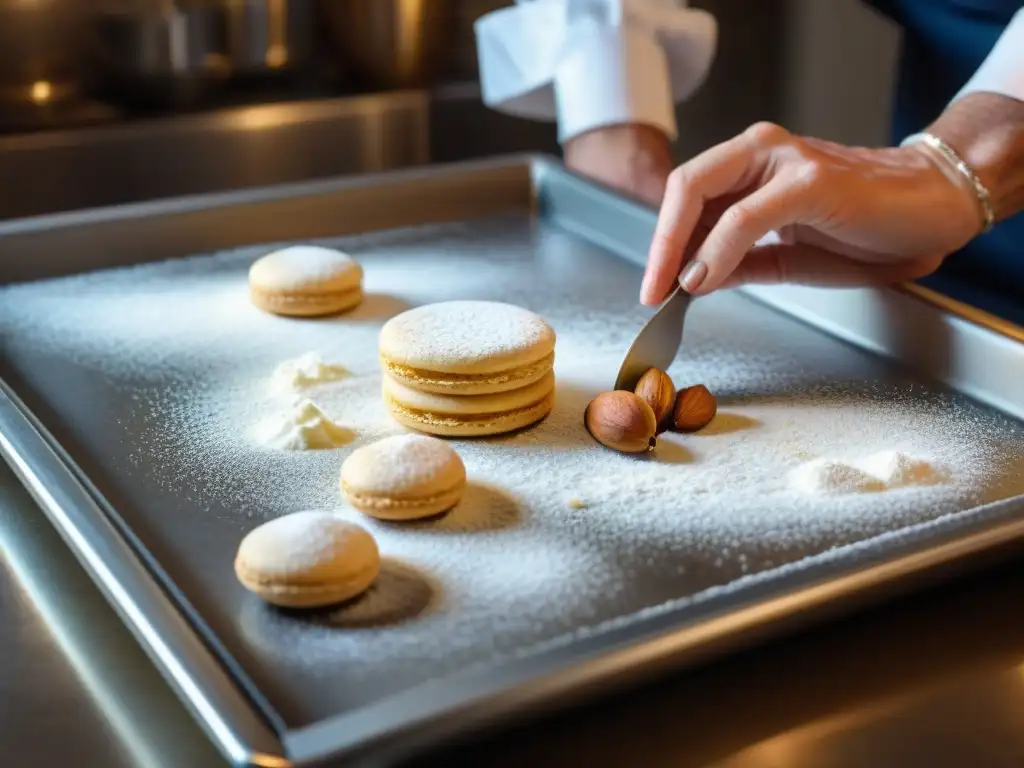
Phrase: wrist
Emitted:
{"points": [[987, 131], [633, 142], [632, 157], [952, 196]]}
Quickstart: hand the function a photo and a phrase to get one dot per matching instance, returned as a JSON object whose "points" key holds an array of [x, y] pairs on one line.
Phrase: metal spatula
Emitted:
{"points": [[658, 341]]}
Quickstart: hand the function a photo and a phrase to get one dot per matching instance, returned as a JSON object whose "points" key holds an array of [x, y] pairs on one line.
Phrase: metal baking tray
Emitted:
{"points": [[159, 539]]}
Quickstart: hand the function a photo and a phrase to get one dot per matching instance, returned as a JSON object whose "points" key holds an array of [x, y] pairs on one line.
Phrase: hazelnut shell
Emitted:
{"points": [[695, 408], [621, 421], [657, 390]]}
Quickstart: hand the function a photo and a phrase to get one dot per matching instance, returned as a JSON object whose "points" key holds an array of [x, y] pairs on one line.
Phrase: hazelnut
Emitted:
{"points": [[657, 390], [621, 421], [695, 408]]}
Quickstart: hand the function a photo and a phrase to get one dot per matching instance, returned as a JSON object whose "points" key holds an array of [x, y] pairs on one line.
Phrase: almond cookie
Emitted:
{"points": [[403, 477], [306, 281], [307, 559]]}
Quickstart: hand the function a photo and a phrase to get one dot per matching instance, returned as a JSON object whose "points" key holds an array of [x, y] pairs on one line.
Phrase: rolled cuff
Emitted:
{"points": [[1002, 71], [611, 76], [588, 69]]}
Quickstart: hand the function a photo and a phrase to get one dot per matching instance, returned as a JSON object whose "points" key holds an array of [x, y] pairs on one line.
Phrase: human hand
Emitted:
{"points": [[843, 216], [636, 159]]}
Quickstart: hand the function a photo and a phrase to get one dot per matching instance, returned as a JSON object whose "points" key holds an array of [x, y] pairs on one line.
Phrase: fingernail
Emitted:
{"points": [[645, 290], [693, 276], [646, 297]]}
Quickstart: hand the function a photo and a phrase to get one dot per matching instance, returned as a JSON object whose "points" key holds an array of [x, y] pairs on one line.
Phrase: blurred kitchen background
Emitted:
{"points": [[113, 101]]}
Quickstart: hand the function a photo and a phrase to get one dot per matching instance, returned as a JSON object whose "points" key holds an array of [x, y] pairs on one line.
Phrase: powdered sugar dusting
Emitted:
{"points": [[302, 542], [301, 266], [517, 565], [401, 464], [449, 336]]}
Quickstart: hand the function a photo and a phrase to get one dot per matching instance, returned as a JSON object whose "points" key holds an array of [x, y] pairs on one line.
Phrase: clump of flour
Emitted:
{"points": [[831, 477], [878, 472], [900, 470], [302, 427], [300, 373]]}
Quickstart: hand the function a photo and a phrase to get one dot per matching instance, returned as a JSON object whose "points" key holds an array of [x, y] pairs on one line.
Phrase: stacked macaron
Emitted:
{"points": [[468, 368]]}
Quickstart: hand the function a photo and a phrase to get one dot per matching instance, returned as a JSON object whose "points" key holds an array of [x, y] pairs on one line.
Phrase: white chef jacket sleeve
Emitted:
{"points": [[1003, 69], [593, 63]]}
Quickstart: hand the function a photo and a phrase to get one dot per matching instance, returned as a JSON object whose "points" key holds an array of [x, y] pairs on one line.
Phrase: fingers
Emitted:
{"points": [[836, 202], [725, 168], [770, 208], [813, 266]]}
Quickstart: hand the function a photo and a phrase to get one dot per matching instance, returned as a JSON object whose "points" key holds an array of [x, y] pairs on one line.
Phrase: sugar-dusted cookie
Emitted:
{"points": [[307, 559], [306, 281], [403, 477]]}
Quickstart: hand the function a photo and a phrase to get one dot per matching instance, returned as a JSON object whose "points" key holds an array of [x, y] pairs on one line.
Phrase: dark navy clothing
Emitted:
{"points": [[944, 42]]}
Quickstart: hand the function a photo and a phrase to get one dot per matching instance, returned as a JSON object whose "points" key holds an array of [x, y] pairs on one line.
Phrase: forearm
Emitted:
{"points": [[987, 131], [984, 123], [634, 158]]}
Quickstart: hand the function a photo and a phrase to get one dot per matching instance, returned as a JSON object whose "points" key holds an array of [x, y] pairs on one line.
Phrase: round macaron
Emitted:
{"points": [[467, 348], [307, 559], [306, 281], [474, 416], [404, 477]]}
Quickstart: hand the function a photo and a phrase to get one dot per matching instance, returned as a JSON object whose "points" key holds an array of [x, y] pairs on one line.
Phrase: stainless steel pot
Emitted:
{"points": [[161, 52], [42, 45], [269, 36], [392, 44]]}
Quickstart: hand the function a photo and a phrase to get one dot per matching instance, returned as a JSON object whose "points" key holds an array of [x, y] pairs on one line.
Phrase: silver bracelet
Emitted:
{"points": [[988, 214]]}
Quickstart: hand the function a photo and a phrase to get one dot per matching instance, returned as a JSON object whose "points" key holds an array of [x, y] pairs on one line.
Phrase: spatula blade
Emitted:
{"points": [[658, 342]]}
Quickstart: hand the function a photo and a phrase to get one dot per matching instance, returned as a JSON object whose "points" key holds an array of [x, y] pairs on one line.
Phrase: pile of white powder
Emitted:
{"points": [[555, 534], [880, 471], [301, 425], [303, 372]]}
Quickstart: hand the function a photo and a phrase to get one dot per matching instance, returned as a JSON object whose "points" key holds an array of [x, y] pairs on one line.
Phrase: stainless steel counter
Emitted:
{"points": [[75, 687]]}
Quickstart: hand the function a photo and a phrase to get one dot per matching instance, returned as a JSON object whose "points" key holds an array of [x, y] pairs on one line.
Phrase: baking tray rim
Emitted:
{"points": [[55, 482], [615, 653]]}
